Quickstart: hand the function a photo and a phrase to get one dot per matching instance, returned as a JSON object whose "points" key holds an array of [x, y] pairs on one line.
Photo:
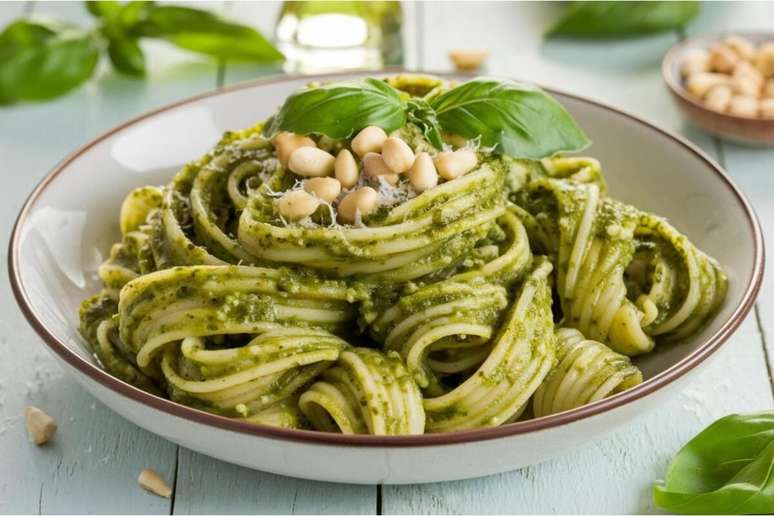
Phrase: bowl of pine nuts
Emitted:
{"points": [[724, 83]]}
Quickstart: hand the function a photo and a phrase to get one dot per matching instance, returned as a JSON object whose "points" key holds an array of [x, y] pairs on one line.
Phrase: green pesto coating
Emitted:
{"points": [[214, 299]]}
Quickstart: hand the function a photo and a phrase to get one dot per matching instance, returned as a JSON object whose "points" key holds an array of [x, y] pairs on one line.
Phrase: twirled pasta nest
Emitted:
{"points": [[433, 313]]}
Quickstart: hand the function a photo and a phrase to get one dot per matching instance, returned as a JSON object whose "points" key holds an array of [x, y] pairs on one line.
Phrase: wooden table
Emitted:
{"points": [[93, 465]]}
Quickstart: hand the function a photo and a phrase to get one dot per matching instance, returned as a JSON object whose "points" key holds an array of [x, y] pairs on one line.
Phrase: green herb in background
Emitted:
{"points": [[509, 117], [727, 469], [622, 19], [41, 59]]}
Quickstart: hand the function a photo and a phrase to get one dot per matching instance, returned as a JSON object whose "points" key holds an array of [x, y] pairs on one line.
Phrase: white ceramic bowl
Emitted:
{"points": [[71, 218]]}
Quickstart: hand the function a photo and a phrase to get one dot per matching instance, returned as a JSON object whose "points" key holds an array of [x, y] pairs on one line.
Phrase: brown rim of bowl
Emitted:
{"points": [[650, 385], [675, 84]]}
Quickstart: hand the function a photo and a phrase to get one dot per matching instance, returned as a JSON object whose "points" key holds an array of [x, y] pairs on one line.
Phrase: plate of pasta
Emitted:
{"points": [[414, 277]]}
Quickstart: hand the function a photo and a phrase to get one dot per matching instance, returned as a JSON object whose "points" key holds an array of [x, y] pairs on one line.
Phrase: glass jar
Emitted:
{"points": [[319, 36]]}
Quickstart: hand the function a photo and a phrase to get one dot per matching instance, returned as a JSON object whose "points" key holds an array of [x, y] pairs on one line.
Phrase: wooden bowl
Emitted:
{"points": [[740, 129]]}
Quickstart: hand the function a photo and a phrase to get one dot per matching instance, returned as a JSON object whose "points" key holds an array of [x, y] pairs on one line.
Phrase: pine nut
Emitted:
{"points": [[718, 98], [764, 59], [423, 175], [346, 169], [767, 108], [746, 79], [743, 106], [370, 139], [745, 85], [468, 60], [297, 204], [722, 59], [325, 188], [311, 162], [285, 143], [455, 140], [397, 155], [451, 165], [699, 84], [362, 201], [40, 426], [150, 480], [742, 46], [695, 60], [374, 165]]}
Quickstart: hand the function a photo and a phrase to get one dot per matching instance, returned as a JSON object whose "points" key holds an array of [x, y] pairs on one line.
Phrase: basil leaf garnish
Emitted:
{"points": [[422, 115], [508, 117], [340, 109], [727, 469], [623, 19], [512, 118]]}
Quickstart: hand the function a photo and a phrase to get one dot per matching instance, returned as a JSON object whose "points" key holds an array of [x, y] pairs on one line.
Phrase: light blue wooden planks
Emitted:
{"points": [[206, 485], [92, 465]]}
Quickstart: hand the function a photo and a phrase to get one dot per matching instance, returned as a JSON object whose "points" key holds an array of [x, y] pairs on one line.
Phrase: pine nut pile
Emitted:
{"points": [[734, 76]]}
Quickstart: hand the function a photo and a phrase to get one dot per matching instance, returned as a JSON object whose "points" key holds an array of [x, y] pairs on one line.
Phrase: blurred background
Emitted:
{"points": [[617, 59]]}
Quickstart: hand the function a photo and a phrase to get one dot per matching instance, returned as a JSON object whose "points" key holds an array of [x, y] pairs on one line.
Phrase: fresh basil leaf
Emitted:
{"points": [[512, 118], [623, 19], [423, 116], [340, 109], [206, 33], [132, 14], [126, 56], [39, 60], [24, 33], [120, 18], [727, 469], [103, 8]]}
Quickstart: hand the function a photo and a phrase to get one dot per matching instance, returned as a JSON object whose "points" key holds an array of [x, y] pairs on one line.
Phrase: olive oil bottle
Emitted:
{"points": [[319, 36]]}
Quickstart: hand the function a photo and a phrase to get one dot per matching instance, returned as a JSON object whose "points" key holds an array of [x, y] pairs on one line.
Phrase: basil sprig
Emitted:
{"points": [[423, 116], [508, 117], [340, 109], [513, 118], [727, 469], [206, 33], [623, 19], [42, 59]]}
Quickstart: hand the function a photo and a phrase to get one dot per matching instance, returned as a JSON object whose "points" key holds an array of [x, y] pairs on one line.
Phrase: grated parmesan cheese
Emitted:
{"points": [[390, 195]]}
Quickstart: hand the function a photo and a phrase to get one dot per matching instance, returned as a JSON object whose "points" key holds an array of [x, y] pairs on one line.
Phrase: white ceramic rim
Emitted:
{"points": [[701, 353]]}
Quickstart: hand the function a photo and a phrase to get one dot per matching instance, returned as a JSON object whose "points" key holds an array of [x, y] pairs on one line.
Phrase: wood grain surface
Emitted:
{"points": [[92, 465]]}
